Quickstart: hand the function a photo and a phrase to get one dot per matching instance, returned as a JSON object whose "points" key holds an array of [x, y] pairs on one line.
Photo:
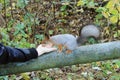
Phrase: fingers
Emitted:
{"points": [[43, 48], [51, 49], [46, 45], [40, 45]]}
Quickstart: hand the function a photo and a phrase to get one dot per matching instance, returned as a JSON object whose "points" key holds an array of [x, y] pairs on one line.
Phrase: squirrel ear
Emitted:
{"points": [[47, 36]]}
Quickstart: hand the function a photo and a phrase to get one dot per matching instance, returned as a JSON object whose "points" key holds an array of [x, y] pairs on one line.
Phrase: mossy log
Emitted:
{"points": [[83, 54]]}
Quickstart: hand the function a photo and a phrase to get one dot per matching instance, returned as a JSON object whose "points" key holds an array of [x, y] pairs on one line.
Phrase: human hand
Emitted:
{"points": [[43, 48]]}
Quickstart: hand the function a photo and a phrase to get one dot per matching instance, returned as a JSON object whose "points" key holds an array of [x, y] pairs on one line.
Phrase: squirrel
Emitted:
{"points": [[69, 41]]}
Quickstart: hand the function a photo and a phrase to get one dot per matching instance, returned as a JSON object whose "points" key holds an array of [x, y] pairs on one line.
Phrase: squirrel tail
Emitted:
{"points": [[86, 32]]}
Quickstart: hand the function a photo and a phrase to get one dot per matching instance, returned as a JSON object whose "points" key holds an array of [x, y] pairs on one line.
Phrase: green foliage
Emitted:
{"points": [[15, 41], [5, 36], [6, 2], [3, 77], [86, 3], [51, 32], [13, 77], [117, 62], [111, 11], [116, 77], [19, 28], [40, 37], [44, 76], [19, 31], [29, 19], [10, 23], [92, 41], [117, 34], [22, 3], [63, 8]]}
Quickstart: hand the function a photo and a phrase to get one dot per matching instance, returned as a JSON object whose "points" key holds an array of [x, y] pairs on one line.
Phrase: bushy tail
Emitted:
{"points": [[88, 31]]}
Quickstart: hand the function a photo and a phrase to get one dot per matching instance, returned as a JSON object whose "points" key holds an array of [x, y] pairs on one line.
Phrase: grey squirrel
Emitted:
{"points": [[71, 42]]}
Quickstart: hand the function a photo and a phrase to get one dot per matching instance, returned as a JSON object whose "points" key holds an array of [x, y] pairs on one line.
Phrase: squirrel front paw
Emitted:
{"points": [[68, 51], [60, 48]]}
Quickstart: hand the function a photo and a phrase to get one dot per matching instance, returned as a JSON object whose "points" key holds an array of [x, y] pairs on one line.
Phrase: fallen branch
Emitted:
{"points": [[83, 54]]}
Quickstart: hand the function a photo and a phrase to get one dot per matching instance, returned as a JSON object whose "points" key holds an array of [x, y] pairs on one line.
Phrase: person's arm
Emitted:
{"points": [[9, 54]]}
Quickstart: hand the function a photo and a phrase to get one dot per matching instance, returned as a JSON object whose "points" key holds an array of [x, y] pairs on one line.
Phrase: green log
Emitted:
{"points": [[83, 54]]}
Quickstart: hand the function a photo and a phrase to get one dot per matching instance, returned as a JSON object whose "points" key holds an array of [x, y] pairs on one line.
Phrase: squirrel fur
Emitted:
{"points": [[70, 42]]}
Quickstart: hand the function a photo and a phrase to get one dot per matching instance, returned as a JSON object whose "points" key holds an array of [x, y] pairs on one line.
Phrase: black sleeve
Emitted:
{"points": [[9, 54]]}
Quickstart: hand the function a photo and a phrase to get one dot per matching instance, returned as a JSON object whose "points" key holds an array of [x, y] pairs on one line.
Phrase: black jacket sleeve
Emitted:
{"points": [[9, 54]]}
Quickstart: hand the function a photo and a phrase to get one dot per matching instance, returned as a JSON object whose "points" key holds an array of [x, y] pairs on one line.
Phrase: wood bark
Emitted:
{"points": [[83, 54]]}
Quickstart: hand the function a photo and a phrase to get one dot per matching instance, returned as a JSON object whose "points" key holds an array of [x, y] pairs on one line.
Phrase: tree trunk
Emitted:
{"points": [[83, 54]]}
